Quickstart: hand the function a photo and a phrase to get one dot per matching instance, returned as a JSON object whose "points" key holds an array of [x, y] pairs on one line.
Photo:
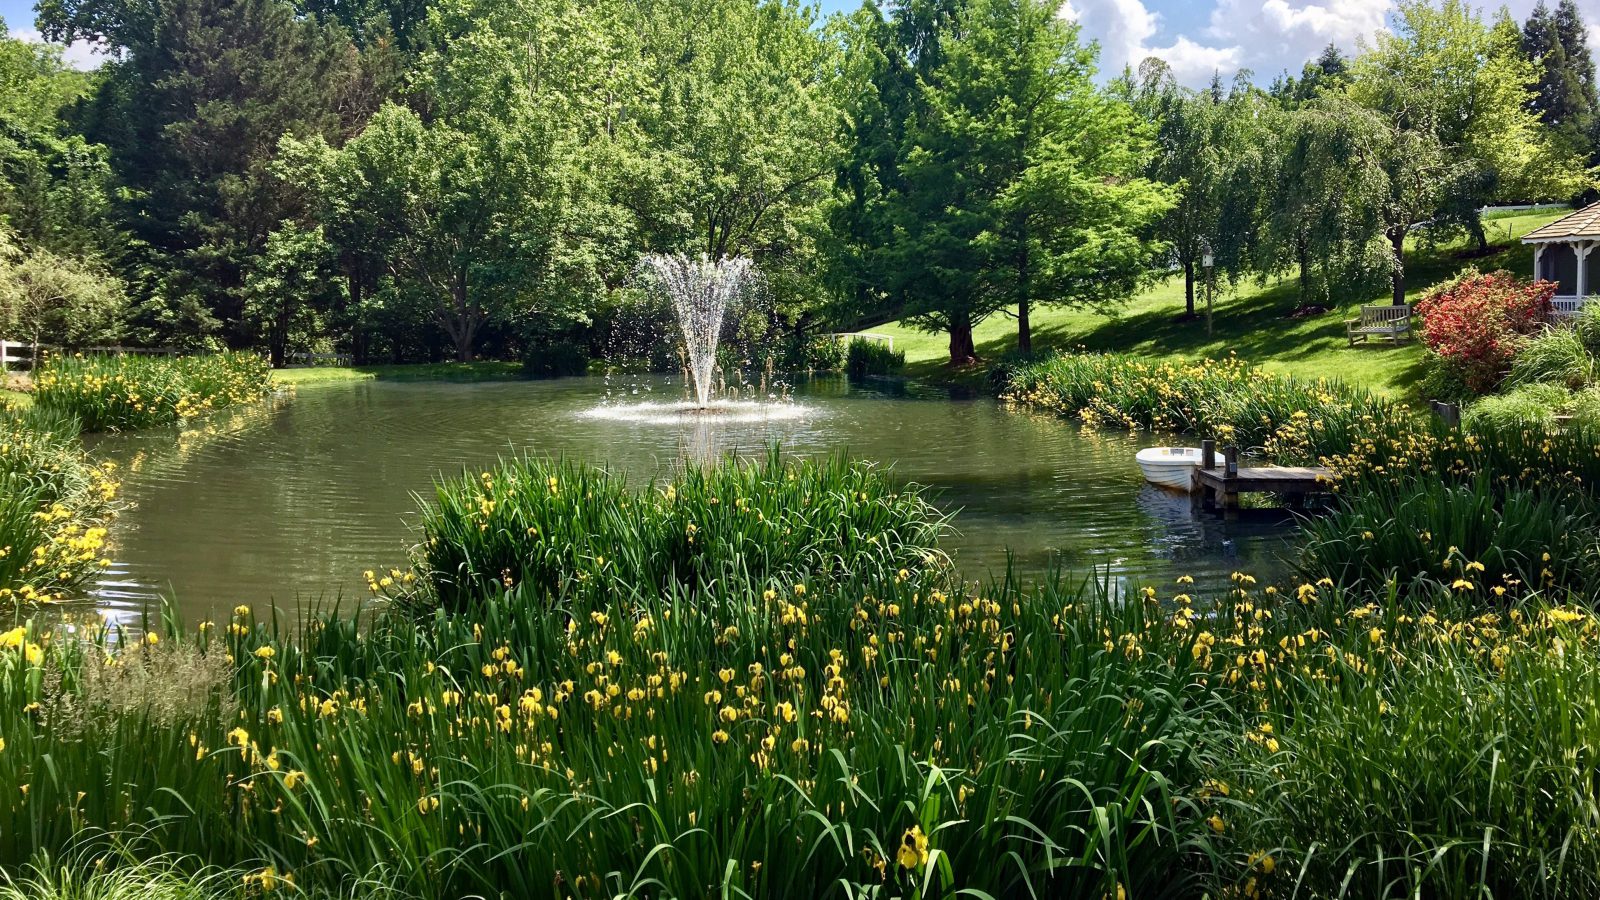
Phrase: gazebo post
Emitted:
{"points": [[1538, 254], [1580, 249]]}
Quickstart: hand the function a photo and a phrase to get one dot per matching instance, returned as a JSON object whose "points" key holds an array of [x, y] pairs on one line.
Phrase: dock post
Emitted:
{"points": [[1208, 454], [1230, 497]]}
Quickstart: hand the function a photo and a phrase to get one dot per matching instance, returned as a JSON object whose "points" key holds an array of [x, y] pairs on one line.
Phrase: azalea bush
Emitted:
{"points": [[1478, 322]]}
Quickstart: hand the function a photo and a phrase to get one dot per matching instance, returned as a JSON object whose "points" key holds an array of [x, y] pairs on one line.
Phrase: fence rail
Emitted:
{"points": [[27, 355], [887, 339]]}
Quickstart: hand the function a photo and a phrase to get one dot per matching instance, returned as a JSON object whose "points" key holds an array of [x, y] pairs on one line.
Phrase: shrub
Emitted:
{"points": [[1478, 322], [1557, 356], [109, 393], [1480, 537], [866, 357], [1532, 405], [555, 360]]}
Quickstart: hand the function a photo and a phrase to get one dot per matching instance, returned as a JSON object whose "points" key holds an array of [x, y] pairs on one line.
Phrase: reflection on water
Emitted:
{"points": [[289, 501]]}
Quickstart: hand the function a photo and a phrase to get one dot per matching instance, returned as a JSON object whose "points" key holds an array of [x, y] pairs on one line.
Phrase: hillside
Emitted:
{"points": [[1252, 321]]}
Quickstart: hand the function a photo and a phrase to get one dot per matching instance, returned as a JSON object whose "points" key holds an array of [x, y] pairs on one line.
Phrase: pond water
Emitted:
{"points": [[287, 502]]}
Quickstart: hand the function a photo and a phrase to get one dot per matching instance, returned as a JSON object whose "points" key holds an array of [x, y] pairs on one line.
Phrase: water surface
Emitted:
{"points": [[287, 502]]}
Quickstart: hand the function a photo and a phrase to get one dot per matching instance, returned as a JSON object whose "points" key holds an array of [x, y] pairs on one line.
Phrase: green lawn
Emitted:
{"points": [[1251, 322], [487, 370]]}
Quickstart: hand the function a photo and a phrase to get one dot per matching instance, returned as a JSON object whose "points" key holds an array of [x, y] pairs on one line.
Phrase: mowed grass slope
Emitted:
{"points": [[1250, 320]]}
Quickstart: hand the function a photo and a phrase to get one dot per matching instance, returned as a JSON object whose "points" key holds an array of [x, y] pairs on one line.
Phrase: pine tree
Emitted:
{"points": [[1564, 96]]}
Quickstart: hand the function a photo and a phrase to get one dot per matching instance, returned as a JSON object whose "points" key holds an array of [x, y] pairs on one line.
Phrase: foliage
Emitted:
{"points": [[1286, 419], [1478, 322], [55, 504], [1564, 96], [1407, 532], [113, 393], [864, 357], [1433, 759], [1532, 405], [60, 300], [1556, 356], [552, 533], [1003, 175], [874, 728]]}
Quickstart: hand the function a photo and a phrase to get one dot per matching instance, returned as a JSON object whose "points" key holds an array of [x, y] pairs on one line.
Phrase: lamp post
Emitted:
{"points": [[1206, 262]]}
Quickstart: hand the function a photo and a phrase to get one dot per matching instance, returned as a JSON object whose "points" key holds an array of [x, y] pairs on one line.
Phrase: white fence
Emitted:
{"points": [[846, 336], [25, 355]]}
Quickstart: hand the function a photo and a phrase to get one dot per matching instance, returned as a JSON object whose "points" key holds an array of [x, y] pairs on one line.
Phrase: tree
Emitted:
{"points": [[192, 113], [61, 300], [1564, 93], [1456, 131], [1015, 182], [288, 293]]}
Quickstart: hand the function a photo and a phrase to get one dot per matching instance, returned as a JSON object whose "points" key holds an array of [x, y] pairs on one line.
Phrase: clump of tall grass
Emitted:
{"points": [[107, 393], [55, 504], [1534, 404], [1283, 418], [1486, 540], [865, 357], [1557, 356], [549, 530]]}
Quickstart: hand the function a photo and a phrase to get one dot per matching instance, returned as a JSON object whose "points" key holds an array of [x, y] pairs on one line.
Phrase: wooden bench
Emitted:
{"points": [[1391, 320]]}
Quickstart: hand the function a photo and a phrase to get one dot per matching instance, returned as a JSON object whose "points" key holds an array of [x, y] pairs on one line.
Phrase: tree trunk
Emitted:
{"points": [[1479, 234], [962, 351], [1024, 328], [358, 334], [1397, 240], [1304, 252], [1188, 289], [469, 322]]}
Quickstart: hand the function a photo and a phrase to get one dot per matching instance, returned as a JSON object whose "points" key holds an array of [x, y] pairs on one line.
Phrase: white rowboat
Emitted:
{"points": [[1170, 467]]}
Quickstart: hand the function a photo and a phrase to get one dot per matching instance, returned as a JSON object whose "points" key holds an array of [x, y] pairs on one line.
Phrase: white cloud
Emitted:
{"points": [[81, 55], [1282, 34], [1125, 29]]}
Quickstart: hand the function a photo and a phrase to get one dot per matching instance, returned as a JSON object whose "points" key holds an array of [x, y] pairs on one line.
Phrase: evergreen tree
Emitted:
{"points": [[1564, 94]]}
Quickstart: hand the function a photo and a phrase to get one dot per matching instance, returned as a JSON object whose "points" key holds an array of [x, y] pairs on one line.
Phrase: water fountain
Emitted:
{"points": [[701, 290], [706, 297]]}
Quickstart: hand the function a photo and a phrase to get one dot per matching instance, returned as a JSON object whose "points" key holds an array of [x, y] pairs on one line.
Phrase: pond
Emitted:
{"points": [[287, 502]]}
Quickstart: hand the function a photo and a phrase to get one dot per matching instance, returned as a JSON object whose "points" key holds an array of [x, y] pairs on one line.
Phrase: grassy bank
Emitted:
{"points": [[486, 370], [1250, 321], [55, 506]]}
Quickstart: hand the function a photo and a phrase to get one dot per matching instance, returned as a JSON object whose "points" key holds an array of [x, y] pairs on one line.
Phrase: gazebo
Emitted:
{"points": [[1563, 252]]}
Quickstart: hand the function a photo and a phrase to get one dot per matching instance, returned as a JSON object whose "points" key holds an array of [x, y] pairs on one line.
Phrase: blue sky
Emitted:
{"points": [[1197, 37]]}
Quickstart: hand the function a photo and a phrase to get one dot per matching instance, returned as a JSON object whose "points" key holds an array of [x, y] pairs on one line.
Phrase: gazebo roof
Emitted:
{"points": [[1583, 225]]}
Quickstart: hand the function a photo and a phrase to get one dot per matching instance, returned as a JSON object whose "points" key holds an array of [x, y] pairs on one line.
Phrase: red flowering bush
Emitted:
{"points": [[1477, 322]]}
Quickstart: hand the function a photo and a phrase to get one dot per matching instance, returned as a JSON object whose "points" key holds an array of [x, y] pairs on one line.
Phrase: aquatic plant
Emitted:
{"points": [[1484, 539], [1285, 419], [108, 393], [870, 729], [548, 531], [55, 506], [864, 357]]}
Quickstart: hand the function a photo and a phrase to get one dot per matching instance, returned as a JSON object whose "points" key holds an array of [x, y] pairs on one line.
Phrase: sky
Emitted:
{"points": [[1196, 37]]}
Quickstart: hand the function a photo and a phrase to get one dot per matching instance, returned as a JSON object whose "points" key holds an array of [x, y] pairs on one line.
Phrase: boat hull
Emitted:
{"points": [[1172, 468]]}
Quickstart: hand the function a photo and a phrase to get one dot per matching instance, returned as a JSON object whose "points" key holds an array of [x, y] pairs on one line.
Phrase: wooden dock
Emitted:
{"points": [[1220, 479]]}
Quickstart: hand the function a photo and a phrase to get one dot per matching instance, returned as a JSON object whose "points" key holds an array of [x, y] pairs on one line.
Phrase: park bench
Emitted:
{"points": [[1391, 320]]}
